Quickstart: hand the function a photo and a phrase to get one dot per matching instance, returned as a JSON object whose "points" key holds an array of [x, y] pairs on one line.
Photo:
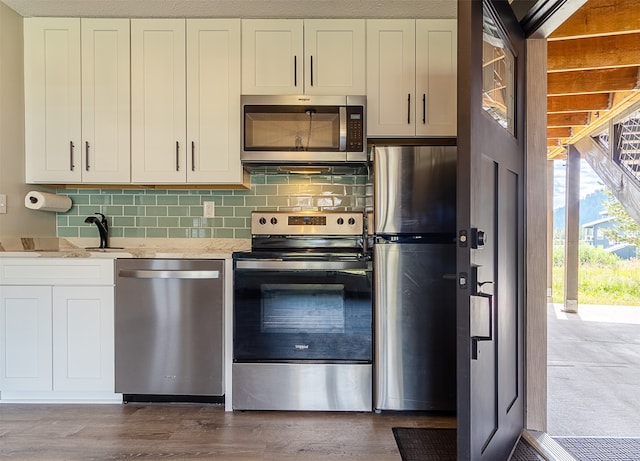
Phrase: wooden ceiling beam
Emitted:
{"points": [[566, 132], [601, 17], [601, 52], [579, 102], [592, 81], [568, 119]]}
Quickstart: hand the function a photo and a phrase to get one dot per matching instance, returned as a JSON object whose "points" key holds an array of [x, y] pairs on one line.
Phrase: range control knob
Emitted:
{"points": [[352, 221], [340, 221], [262, 221], [274, 221]]}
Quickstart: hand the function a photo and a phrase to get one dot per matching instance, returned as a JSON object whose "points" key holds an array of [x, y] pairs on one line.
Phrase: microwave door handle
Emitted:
{"points": [[343, 128]]}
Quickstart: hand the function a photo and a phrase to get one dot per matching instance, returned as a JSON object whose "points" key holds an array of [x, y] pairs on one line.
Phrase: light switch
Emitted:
{"points": [[3, 203]]}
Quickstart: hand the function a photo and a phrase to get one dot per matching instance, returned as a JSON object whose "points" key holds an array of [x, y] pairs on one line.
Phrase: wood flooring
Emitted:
{"points": [[195, 431]]}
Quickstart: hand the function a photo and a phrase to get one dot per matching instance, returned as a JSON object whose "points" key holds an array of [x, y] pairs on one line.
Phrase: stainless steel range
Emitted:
{"points": [[303, 314]]}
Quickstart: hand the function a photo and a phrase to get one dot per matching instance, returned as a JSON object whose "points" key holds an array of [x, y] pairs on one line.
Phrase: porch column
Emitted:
{"points": [[572, 230], [550, 187]]}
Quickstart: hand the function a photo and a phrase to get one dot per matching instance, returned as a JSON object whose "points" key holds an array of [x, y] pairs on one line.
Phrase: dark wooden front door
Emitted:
{"points": [[490, 259]]}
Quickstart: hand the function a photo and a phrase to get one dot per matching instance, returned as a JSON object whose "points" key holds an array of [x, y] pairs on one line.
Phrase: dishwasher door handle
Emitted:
{"points": [[168, 274]]}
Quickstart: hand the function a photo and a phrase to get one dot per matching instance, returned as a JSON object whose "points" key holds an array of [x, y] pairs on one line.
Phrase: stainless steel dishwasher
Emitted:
{"points": [[169, 329]]}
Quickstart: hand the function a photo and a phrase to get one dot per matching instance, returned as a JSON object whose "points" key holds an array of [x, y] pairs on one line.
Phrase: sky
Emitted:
{"points": [[589, 181]]}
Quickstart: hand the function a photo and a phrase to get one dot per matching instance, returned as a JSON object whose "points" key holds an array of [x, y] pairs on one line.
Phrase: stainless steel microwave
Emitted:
{"points": [[310, 130]]}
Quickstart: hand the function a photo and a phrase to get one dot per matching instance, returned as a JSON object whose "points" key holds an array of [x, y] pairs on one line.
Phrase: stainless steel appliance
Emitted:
{"points": [[306, 129], [169, 328], [414, 266], [302, 314]]}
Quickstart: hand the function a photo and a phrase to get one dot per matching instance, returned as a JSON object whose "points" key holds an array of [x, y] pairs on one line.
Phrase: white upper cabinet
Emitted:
{"points": [[77, 100], [106, 102], [295, 56], [436, 77], [158, 101], [213, 101], [185, 87], [411, 77], [53, 136]]}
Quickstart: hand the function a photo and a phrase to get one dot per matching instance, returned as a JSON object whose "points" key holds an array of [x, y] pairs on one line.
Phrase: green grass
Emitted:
{"points": [[616, 283]]}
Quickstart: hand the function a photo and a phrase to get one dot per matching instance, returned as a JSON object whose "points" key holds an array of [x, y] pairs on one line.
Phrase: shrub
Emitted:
{"points": [[587, 254]]}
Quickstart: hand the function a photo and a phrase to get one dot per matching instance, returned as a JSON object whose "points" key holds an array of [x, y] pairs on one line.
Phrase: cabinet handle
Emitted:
{"points": [[311, 70], [86, 155], [177, 156], [424, 108], [409, 109], [295, 71], [71, 165], [193, 156]]}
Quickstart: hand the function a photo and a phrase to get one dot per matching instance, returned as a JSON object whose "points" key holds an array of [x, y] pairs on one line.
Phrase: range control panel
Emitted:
{"points": [[306, 223]]}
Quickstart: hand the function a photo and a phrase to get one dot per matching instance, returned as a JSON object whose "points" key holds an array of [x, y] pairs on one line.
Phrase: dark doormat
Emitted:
{"points": [[423, 444], [599, 448]]}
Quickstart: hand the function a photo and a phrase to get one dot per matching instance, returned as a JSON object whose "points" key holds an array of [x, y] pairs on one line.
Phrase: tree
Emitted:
{"points": [[625, 230]]}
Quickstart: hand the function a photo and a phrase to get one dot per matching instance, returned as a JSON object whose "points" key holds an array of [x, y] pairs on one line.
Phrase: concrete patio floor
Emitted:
{"points": [[594, 371]]}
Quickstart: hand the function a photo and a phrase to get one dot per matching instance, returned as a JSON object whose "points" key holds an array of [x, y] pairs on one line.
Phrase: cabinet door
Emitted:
{"points": [[158, 101], [334, 56], [272, 59], [105, 101], [25, 335], [52, 100], [83, 339], [213, 101], [391, 77], [436, 71]]}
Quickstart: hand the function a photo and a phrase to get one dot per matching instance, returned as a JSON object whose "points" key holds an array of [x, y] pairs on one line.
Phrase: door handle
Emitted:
{"points": [[71, 165], [193, 156], [86, 154], [409, 109], [177, 156], [481, 316]]}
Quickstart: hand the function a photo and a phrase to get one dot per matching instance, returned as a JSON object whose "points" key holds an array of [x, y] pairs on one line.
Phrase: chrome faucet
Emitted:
{"points": [[103, 228]]}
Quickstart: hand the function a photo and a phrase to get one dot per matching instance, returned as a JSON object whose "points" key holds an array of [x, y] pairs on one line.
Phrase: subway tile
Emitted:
{"points": [[179, 233], [255, 201], [134, 232], [133, 211], [88, 232], [141, 221], [157, 232], [223, 233], [177, 211], [67, 231], [122, 199], [267, 190], [145, 200], [234, 222], [167, 200], [168, 221], [233, 201], [242, 233], [189, 200], [224, 211], [156, 211]]}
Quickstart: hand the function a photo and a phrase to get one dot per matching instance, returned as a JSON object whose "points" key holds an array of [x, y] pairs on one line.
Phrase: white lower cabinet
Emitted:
{"points": [[58, 339]]}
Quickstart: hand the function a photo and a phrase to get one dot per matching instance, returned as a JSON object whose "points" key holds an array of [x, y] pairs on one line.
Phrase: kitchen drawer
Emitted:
{"points": [[56, 271]]}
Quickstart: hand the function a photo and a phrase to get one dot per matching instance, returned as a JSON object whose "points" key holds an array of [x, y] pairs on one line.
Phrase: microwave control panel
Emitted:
{"points": [[355, 128]]}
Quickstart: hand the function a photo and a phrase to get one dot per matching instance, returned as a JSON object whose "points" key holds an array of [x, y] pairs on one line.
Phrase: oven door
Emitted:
{"points": [[289, 311]]}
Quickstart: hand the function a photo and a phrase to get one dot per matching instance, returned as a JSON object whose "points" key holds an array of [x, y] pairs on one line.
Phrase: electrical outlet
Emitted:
{"points": [[3, 203], [208, 209]]}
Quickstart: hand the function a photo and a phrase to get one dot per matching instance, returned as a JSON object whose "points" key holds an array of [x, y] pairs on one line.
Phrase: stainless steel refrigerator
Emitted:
{"points": [[414, 267]]}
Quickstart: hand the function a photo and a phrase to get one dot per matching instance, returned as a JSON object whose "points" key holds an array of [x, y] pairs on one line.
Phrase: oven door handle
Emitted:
{"points": [[274, 264]]}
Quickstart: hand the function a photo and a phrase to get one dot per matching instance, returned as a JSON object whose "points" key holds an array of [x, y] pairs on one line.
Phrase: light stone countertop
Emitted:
{"points": [[187, 248]]}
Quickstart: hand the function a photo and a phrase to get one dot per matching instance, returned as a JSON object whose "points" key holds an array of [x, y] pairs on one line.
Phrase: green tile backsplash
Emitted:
{"points": [[170, 213]]}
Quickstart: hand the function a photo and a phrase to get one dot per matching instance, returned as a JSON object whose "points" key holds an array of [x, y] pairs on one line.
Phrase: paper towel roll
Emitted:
{"points": [[44, 201]]}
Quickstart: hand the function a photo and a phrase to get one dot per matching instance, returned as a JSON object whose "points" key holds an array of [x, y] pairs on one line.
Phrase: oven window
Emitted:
{"points": [[310, 308]]}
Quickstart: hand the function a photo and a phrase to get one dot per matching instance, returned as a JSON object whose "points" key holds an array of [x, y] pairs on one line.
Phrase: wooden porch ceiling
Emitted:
{"points": [[593, 65]]}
